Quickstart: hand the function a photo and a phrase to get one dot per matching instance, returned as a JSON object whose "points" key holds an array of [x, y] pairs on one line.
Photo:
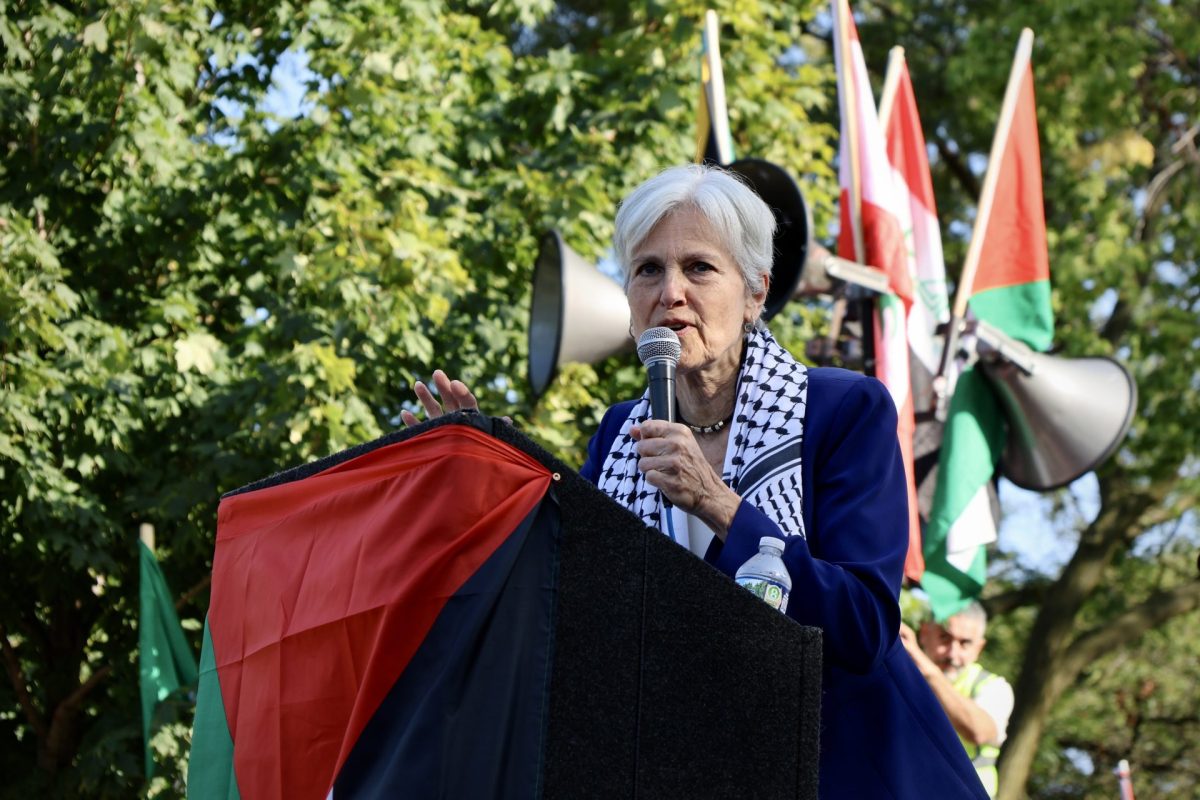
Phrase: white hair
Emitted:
{"points": [[742, 222], [974, 610]]}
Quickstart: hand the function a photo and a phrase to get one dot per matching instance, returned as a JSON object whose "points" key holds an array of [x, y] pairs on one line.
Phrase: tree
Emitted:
{"points": [[1134, 702], [1119, 155], [197, 290]]}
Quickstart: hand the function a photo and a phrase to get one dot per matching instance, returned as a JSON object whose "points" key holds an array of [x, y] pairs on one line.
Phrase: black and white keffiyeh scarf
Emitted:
{"points": [[762, 462]]}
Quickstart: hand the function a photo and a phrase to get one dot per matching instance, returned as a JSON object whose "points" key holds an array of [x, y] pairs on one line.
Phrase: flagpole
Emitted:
{"points": [[986, 197], [146, 534], [718, 110], [850, 117], [703, 133], [891, 82], [1124, 780], [988, 194]]}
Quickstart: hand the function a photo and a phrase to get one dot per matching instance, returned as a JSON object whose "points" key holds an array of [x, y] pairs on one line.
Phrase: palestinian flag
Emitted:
{"points": [[378, 623], [1007, 280], [873, 214]]}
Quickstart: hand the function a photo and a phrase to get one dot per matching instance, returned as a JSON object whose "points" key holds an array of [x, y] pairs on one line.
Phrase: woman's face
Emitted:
{"points": [[683, 278]]}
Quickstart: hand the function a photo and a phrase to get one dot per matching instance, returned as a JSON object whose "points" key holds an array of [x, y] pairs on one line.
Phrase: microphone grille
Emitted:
{"points": [[658, 344]]}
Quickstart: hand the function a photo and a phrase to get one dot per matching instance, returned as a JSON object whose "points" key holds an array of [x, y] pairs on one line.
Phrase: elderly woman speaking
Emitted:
{"points": [[766, 447]]}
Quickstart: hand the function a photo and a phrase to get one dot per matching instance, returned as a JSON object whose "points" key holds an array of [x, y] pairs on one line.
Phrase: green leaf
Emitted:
{"points": [[96, 35], [197, 352]]}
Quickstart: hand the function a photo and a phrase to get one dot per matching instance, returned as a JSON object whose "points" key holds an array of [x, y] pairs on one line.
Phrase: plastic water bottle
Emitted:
{"points": [[766, 575]]}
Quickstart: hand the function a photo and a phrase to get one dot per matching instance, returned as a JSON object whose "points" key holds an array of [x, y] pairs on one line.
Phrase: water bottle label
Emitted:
{"points": [[773, 593]]}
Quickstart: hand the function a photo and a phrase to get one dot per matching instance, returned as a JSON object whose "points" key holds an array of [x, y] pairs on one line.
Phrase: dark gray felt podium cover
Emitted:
{"points": [[668, 679]]}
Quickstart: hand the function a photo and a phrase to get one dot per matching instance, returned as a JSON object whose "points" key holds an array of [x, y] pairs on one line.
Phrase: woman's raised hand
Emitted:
{"points": [[454, 394]]}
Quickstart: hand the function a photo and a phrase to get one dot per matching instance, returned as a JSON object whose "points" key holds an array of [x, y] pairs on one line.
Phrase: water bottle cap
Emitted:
{"points": [[771, 541]]}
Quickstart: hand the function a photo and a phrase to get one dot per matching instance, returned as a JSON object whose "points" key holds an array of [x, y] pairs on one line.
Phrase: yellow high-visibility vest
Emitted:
{"points": [[968, 682]]}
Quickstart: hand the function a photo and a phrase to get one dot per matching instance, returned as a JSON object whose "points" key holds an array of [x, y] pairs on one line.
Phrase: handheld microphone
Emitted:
{"points": [[659, 350]]}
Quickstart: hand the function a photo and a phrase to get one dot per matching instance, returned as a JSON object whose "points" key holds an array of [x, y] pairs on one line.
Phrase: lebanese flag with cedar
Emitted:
{"points": [[927, 265]]}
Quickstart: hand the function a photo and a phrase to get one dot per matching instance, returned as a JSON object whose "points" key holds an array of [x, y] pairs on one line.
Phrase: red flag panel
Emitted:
{"points": [[1014, 248]]}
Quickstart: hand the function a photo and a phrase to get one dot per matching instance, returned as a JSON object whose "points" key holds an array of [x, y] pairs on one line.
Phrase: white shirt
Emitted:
{"points": [[995, 696]]}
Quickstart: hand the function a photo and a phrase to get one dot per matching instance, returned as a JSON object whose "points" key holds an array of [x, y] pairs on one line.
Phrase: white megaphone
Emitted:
{"points": [[578, 314], [1066, 416]]}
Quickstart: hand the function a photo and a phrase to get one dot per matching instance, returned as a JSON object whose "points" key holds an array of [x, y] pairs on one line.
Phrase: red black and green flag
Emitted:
{"points": [[379, 624]]}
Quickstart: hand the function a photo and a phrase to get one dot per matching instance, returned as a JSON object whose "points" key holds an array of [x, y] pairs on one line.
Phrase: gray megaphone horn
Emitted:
{"points": [[578, 314], [1066, 416]]}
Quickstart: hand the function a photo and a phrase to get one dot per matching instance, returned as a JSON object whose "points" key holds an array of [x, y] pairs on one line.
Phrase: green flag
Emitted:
{"points": [[165, 660]]}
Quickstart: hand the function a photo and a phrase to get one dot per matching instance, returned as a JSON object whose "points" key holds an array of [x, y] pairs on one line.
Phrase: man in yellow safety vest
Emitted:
{"points": [[977, 702]]}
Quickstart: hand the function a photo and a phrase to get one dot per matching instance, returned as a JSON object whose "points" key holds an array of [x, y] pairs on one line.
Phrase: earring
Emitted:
{"points": [[747, 326], [631, 336]]}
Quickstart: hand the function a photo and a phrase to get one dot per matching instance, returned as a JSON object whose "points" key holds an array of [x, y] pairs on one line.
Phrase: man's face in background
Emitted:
{"points": [[954, 645]]}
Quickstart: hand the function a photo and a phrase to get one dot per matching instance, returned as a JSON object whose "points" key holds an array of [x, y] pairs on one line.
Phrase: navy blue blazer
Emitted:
{"points": [[883, 733]]}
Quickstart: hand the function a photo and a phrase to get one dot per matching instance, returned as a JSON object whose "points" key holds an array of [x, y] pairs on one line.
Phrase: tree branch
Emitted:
{"points": [[1126, 628], [192, 592], [1030, 594], [1173, 721], [76, 697], [17, 677], [1121, 318], [1157, 515], [110, 130], [1154, 197], [1046, 668], [958, 168], [61, 743]]}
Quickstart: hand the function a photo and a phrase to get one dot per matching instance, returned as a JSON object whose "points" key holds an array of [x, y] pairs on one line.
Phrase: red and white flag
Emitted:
{"points": [[872, 233], [910, 167]]}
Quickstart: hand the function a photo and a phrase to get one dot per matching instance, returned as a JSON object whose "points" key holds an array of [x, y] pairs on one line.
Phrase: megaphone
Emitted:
{"points": [[577, 313], [793, 229], [1065, 415], [802, 268]]}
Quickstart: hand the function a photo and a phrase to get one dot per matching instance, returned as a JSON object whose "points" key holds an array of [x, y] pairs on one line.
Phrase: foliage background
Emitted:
{"points": [[197, 290]]}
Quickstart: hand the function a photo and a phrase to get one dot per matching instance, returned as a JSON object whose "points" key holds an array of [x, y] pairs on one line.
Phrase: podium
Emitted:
{"points": [[451, 612]]}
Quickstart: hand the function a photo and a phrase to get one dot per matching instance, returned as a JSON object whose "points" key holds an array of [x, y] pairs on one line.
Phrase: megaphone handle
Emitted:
{"points": [[941, 394], [941, 398], [835, 323], [867, 315]]}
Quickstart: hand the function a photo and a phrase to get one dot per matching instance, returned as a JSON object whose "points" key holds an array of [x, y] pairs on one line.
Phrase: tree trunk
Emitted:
{"points": [[1045, 672], [58, 748]]}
